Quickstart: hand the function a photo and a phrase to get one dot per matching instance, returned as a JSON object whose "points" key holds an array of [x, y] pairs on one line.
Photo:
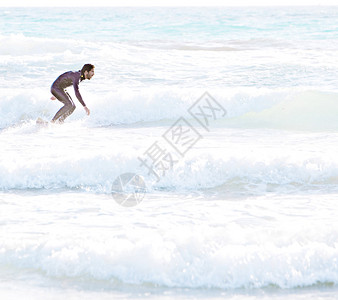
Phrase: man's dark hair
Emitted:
{"points": [[87, 67]]}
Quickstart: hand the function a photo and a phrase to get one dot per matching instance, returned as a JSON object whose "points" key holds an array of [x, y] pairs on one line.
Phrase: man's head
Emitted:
{"points": [[87, 71]]}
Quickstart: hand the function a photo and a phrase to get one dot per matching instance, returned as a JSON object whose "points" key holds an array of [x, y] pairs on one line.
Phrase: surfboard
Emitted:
{"points": [[41, 122]]}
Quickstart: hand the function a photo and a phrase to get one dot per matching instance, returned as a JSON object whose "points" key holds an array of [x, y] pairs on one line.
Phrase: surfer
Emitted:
{"points": [[58, 90]]}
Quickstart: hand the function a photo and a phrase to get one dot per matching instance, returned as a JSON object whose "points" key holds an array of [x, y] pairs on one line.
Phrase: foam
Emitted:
{"points": [[291, 109], [252, 244], [15, 45], [283, 172]]}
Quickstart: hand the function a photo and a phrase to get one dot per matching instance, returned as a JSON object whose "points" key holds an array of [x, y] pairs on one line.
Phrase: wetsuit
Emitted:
{"points": [[58, 90]]}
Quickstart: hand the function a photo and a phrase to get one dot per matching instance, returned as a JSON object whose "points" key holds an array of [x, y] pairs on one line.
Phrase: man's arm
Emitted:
{"points": [[79, 97], [77, 93]]}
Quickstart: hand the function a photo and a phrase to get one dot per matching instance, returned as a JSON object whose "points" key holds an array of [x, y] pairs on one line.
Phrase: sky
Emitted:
{"points": [[51, 3]]}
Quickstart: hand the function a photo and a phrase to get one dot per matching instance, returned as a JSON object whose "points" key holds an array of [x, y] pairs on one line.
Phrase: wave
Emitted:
{"points": [[221, 45], [289, 109], [310, 110], [21, 45], [121, 107], [16, 45], [214, 258], [213, 172]]}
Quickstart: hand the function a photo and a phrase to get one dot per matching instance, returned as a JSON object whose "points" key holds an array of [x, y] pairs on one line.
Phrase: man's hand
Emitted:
{"points": [[87, 110], [52, 98]]}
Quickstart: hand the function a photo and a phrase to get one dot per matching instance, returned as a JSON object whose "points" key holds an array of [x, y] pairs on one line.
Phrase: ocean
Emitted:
{"points": [[207, 169]]}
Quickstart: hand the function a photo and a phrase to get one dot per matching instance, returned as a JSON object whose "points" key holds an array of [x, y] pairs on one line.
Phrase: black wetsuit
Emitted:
{"points": [[58, 90]]}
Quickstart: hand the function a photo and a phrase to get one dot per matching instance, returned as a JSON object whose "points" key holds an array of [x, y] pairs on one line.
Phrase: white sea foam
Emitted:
{"points": [[18, 45], [200, 244], [294, 109], [56, 157]]}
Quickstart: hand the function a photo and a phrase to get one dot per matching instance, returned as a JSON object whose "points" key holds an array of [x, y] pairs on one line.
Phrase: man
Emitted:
{"points": [[58, 90]]}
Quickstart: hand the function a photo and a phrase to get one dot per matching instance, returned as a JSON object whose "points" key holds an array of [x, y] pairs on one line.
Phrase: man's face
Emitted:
{"points": [[90, 74]]}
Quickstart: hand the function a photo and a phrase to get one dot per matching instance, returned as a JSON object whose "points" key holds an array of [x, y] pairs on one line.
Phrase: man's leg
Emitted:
{"points": [[67, 108]]}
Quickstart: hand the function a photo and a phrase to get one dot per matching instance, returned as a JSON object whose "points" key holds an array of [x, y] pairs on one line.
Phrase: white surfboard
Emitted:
{"points": [[41, 122]]}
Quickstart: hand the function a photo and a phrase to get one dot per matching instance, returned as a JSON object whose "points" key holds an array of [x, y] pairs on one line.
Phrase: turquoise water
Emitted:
{"points": [[179, 47], [173, 24]]}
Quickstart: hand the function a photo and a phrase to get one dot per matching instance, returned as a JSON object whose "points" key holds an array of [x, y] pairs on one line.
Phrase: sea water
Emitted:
{"points": [[229, 116]]}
